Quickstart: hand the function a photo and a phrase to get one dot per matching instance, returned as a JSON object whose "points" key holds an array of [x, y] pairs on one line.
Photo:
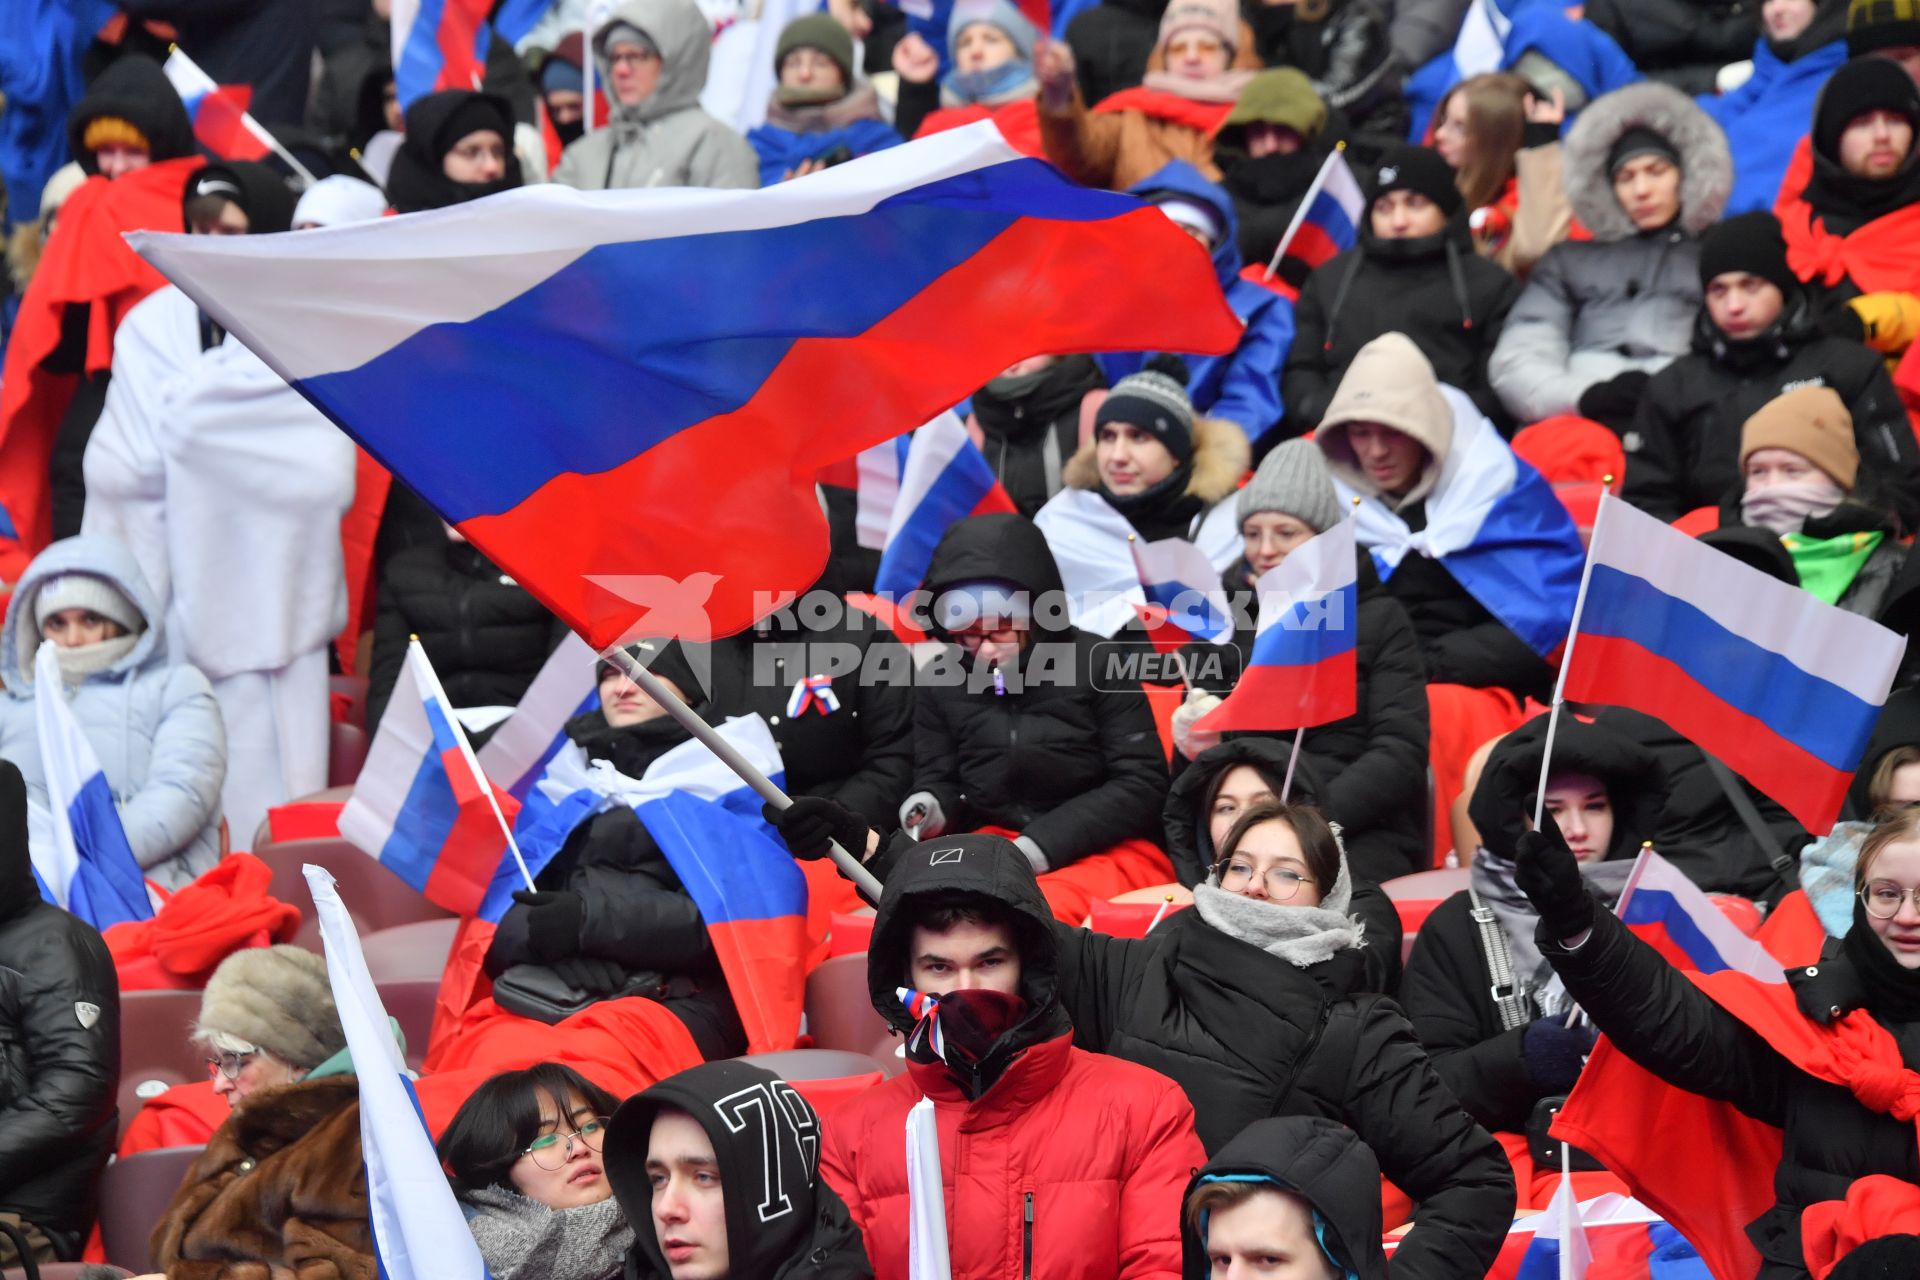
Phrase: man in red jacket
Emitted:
{"points": [[1055, 1162]]}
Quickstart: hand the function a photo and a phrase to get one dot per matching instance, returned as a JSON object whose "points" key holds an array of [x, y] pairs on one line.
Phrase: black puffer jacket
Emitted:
{"points": [[1030, 435], [1346, 51], [1111, 43], [1318, 1160], [484, 633], [1446, 986], [635, 912], [1189, 837], [1684, 448], [1435, 289], [1373, 763], [1059, 758], [1188, 1001], [860, 754], [59, 1046], [1700, 832], [1681, 42], [1662, 1021]]}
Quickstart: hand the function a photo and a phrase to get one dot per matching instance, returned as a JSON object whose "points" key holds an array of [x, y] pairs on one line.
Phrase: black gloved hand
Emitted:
{"points": [[1549, 874], [590, 974], [811, 822], [1617, 399], [1554, 1052], [553, 921]]}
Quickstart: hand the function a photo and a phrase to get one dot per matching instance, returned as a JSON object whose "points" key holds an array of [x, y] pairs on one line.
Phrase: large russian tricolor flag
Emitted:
{"points": [[750, 891], [1326, 224], [1303, 669], [680, 364], [1668, 912], [1781, 687], [564, 688], [438, 44], [1183, 589], [89, 868], [421, 805], [221, 121], [944, 478]]}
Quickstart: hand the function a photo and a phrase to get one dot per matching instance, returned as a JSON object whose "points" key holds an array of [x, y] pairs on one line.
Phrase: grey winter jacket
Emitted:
{"points": [[154, 724], [1626, 300], [665, 140]]}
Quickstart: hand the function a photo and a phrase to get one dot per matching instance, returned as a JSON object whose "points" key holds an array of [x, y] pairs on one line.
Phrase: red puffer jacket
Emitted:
{"points": [[1070, 1167]]}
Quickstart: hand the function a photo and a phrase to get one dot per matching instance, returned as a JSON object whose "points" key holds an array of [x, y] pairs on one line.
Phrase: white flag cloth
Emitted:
{"points": [[927, 1197]]}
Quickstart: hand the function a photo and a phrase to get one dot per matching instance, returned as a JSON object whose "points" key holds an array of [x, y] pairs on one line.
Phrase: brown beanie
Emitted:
{"points": [[1390, 382], [1219, 18], [1811, 421]]}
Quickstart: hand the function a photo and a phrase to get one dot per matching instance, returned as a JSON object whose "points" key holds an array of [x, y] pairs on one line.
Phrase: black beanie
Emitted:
{"points": [[261, 193], [1858, 87], [1417, 169], [479, 111], [1873, 25], [1640, 141], [1749, 242], [668, 660], [1154, 400], [1881, 1258]]}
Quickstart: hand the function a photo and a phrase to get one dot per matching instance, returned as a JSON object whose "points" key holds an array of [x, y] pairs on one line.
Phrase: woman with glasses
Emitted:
{"points": [[459, 147], [1251, 1001], [1819, 1058], [1485, 1002], [281, 1185], [524, 1153]]}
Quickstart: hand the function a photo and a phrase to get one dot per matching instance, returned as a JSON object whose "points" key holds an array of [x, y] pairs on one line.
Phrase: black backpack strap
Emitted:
{"points": [[28, 1263]]}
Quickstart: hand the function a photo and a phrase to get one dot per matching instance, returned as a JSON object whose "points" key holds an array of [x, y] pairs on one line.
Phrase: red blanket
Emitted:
{"points": [[1882, 255], [201, 924]]}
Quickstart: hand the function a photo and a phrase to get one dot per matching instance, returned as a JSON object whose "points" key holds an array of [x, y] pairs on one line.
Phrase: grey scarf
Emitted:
{"points": [[522, 1239], [1493, 881], [1301, 936]]}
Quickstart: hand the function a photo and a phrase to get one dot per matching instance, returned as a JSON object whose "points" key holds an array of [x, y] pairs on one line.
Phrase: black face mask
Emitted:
{"points": [[570, 132], [1275, 178], [962, 1029]]}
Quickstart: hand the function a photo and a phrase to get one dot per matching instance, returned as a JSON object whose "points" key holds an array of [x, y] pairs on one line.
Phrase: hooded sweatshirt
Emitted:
{"points": [[1243, 386], [664, 140], [1322, 1162], [764, 1136], [136, 90], [152, 721], [434, 124], [1057, 1162]]}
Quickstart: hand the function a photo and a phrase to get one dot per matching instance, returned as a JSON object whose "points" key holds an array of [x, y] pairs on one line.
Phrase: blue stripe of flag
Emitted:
{"points": [[426, 819], [1327, 214], [700, 348], [1826, 721], [730, 861], [1658, 908], [1310, 631], [107, 887], [1192, 609], [961, 486]]}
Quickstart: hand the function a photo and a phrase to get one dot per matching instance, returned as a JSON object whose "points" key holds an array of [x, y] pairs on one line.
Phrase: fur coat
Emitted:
{"points": [[280, 1191]]}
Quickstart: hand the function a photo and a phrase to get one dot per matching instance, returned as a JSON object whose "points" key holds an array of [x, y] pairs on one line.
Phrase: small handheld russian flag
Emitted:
{"points": [[1303, 669], [944, 478], [1183, 586], [925, 1011], [221, 122], [1326, 224]]}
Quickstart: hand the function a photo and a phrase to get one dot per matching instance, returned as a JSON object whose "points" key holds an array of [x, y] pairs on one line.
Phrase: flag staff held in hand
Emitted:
{"points": [[619, 656]]}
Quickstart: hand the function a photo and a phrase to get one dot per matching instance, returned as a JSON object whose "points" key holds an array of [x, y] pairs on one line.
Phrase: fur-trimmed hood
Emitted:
{"points": [[1706, 165], [1221, 455]]}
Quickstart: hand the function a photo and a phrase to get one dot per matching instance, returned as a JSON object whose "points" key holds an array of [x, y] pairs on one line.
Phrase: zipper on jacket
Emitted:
{"points": [[1026, 1242]]}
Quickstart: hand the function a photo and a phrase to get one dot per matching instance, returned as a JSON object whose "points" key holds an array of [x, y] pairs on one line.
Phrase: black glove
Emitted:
{"points": [[594, 976], [1549, 874], [553, 921], [811, 822], [1554, 1051], [1617, 399]]}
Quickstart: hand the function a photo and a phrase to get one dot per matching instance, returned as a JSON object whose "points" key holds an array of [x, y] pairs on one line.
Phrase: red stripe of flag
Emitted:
{"points": [[1312, 245], [220, 124], [1625, 674], [474, 845]]}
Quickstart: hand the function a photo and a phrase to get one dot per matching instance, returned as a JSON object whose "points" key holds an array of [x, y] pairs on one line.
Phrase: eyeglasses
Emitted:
{"points": [[549, 1152], [1883, 898], [1237, 873], [974, 637], [631, 58], [230, 1064]]}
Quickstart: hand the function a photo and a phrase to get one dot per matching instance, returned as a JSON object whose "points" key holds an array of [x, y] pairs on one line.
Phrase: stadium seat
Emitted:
{"points": [[347, 696], [409, 1002], [61, 1270], [346, 752], [824, 1077], [156, 1051], [1131, 919], [852, 931], [134, 1195], [410, 951], [841, 1016], [1415, 896], [310, 817], [374, 896]]}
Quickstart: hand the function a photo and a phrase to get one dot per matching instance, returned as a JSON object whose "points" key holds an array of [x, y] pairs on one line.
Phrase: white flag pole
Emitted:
{"points": [[432, 679], [1566, 658], [1306, 204]]}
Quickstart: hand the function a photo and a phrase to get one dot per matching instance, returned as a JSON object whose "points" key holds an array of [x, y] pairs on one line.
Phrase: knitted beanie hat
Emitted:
{"points": [[1294, 481], [1154, 400], [1811, 421]]}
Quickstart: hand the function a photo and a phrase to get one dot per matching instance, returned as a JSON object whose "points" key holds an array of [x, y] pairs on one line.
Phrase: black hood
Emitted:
{"points": [[1021, 417], [1898, 726], [990, 867], [1320, 1160], [136, 90], [434, 124], [1002, 546], [749, 1114], [1502, 803], [1188, 835], [261, 193], [18, 892]]}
